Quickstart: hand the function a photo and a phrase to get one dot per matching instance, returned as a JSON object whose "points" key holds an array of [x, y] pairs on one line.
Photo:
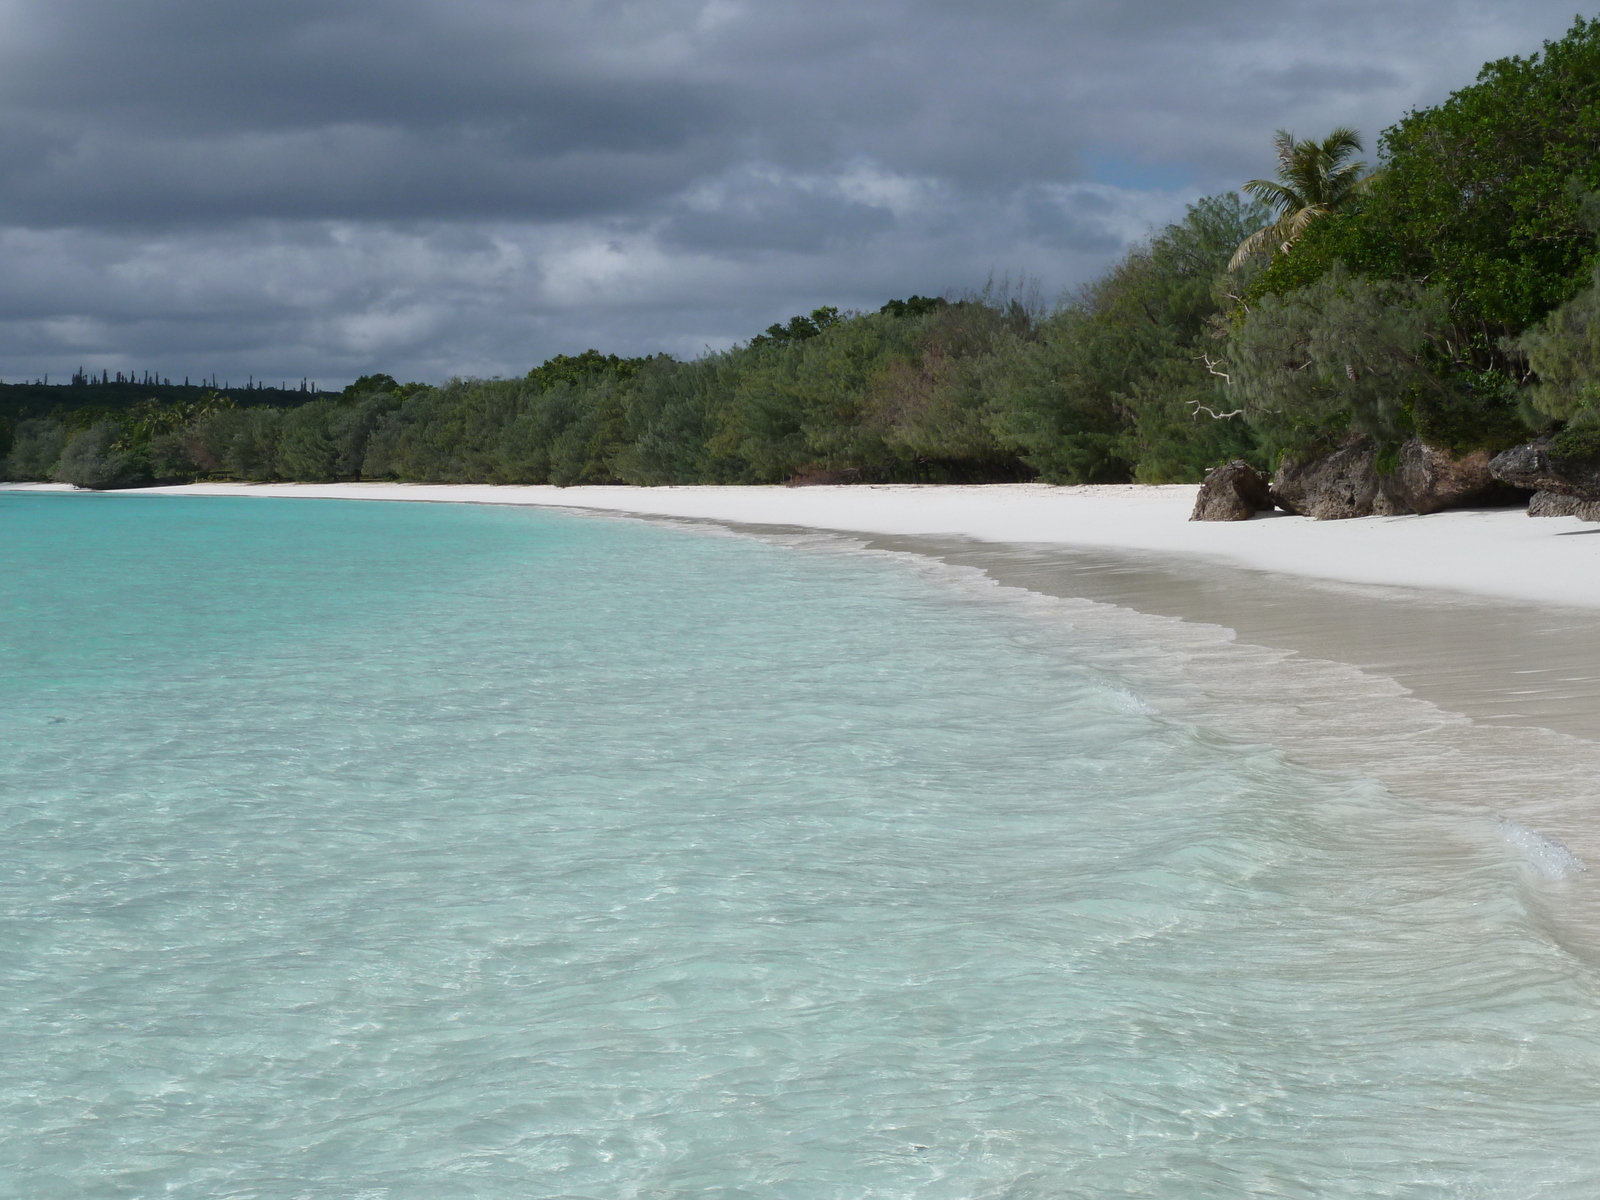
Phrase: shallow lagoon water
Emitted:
{"points": [[432, 851]]}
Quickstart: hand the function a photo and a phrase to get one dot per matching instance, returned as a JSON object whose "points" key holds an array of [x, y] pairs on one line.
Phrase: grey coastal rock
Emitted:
{"points": [[1335, 487], [1554, 504], [1533, 466], [1231, 492], [1430, 478], [1346, 483]]}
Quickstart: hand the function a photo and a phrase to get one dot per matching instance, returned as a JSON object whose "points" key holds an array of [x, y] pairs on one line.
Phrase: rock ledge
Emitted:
{"points": [[1346, 483], [1231, 492]]}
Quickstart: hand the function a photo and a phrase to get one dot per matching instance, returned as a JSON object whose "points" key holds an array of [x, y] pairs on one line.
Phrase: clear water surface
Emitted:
{"points": [[428, 851]]}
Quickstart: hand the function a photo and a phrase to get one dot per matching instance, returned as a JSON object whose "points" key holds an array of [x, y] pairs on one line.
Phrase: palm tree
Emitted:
{"points": [[1314, 179]]}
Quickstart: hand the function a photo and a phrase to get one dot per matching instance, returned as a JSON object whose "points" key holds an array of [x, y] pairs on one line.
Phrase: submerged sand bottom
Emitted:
{"points": [[1481, 712], [1495, 661]]}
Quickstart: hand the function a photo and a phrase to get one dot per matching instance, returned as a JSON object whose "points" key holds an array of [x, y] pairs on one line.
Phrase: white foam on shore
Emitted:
{"points": [[1549, 857], [1488, 552]]}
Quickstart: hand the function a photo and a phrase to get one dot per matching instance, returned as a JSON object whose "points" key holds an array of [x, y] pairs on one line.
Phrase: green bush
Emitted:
{"points": [[36, 446], [241, 443], [92, 459], [1581, 442]]}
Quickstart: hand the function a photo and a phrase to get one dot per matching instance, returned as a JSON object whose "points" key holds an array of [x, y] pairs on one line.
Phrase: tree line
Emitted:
{"points": [[1449, 295]]}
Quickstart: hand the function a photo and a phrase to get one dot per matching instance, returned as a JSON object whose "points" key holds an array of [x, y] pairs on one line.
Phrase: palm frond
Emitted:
{"points": [[1344, 176], [1315, 179], [1284, 144], [1366, 181], [1250, 247], [1274, 195], [1299, 222], [1342, 143]]}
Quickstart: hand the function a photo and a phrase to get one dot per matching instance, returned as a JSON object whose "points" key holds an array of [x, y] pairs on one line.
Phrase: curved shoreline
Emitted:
{"points": [[1482, 703], [1499, 620], [1498, 553]]}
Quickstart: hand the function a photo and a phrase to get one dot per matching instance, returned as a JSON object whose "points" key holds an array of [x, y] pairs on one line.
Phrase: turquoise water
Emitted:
{"points": [[394, 850]]}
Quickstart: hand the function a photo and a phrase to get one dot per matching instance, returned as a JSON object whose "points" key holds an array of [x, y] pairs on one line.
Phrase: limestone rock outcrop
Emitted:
{"points": [[1346, 483], [1533, 466], [1332, 488], [1231, 492], [1430, 478], [1554, 504]]}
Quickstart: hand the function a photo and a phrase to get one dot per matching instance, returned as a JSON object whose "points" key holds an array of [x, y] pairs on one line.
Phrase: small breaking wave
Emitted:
{"points": [[1548, 856]]}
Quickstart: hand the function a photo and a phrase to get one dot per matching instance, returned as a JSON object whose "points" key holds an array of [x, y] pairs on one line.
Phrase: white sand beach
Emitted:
{"points": [[1453, 658], [1500, 553], [1484, 612]]}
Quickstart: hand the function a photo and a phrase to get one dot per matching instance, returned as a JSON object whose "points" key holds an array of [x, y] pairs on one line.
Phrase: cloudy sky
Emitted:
{"points": [[436, 187]]}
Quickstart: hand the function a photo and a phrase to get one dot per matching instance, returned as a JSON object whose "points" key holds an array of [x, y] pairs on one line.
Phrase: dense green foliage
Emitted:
{"points": [[22, 401], [1315, 180], [1481, 196], [1563, 351], [1451, 295], [1447, 296], [924, 390]]}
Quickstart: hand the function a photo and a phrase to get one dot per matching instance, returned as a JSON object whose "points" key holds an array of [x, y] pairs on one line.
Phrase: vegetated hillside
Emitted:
{"points": [[927, 390], [985, 388], [19, 401], [1449, 296], [1452, 300]]}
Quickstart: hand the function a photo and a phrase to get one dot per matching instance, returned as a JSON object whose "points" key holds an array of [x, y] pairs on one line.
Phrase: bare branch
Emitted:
{"points": [[1213, 413], [1212, 367]]}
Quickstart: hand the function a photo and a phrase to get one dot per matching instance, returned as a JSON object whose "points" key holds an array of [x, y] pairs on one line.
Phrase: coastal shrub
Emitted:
{"points": [[1342, 354], [449, 434], [169, 457], [1489, 197], [94, 459], [522, 454], [671, 411], [36, 446], [329, 439], [1578, 441], [306, 449], [1055, 399], [1180, 427], [933, 397], [1483, 196], [1476, 410], [1116, 382], [806, 403], [241, 443], [1563, 350], [351, 428]]}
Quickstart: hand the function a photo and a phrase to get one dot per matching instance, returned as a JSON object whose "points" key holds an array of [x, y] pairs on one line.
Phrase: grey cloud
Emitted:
{"points": [[333, 186], [759, 210], [810, 227], [1085, 221], [1330, 79], [335, 171]]}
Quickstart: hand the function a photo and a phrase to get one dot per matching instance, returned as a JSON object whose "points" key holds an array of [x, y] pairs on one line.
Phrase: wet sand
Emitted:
{"points": [[1497, 662]]}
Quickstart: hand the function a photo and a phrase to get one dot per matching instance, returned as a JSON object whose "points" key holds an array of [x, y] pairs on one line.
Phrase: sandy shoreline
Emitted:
{"points": [[1499, 553], [1484, 612], [1454, 659]]}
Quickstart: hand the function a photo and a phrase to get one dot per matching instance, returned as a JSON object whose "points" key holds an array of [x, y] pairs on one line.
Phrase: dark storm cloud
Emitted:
{"points": [[329, 186]]}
